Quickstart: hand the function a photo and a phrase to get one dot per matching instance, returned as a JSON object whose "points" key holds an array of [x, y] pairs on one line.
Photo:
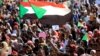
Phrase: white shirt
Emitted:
{"points": [[86, 19]]}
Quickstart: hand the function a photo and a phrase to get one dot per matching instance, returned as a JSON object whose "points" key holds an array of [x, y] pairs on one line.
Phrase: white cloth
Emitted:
{"points": [[64, 45], [98, 20], [33, 39], [68, 27], [86, 1], [8, 31], [14, 41]]}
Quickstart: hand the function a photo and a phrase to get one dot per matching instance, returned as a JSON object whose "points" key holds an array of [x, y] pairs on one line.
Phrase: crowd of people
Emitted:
{"points": [[25, 37]]}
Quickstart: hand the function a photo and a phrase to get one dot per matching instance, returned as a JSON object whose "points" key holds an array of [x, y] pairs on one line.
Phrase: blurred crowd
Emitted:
{"points": [[25, 37]]}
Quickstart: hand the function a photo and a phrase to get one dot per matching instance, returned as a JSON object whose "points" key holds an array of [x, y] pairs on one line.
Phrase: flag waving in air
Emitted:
{"points": [[38, 11], [80, 24], [46, 11], [86, 37], [22, 11]]}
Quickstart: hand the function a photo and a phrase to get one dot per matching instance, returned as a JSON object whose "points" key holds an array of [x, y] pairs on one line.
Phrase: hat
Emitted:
{"points": [[94, 51], [25, 25]]}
